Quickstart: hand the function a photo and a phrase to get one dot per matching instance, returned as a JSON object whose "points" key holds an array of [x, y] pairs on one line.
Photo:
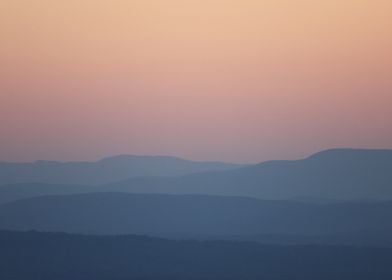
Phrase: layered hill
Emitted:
{"points": [[192, 215], [341, 174], [329, 176], [107, 170]]}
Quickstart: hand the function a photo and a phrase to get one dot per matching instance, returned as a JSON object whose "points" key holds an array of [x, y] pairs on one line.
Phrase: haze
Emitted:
{"points": [[240, 81]]}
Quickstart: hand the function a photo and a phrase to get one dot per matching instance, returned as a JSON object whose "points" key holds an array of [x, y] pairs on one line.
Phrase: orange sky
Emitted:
{"points": [[234, 80]]}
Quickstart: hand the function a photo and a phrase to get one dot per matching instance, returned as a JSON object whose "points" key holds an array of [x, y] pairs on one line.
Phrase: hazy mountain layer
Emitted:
{"points": [[329, 176], [104, 171], [192, 215], [342, 174]]}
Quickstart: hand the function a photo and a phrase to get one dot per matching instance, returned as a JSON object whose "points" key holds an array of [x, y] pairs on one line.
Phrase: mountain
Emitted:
{"points": [[107, 170], [191, 215], [340, 174], [46, 256], [328, 176]]}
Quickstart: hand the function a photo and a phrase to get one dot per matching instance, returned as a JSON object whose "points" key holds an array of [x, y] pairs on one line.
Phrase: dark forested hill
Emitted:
{"points": [[48, 256]]}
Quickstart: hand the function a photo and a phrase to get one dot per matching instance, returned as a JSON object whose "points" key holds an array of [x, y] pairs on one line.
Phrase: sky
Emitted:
{"points": [[229, 80]]}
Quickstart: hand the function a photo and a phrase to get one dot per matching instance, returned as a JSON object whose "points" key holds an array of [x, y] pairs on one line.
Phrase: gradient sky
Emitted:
{"points": [[232, 80]]}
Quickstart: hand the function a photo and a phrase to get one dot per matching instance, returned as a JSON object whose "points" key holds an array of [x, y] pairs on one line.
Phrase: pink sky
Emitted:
{"points": [[241, 81]]}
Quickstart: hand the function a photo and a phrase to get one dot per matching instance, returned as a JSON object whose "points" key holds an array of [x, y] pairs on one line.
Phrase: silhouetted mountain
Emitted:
{"points": [[341, 174], [104, 171], [192, 215], [47, 256]]}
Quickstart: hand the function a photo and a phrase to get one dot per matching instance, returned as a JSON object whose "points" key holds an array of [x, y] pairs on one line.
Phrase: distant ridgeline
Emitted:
{"points": [[333, 175], [107, 170]]}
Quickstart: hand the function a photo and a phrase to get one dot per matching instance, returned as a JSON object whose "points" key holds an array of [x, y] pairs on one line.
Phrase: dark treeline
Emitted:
{"points": [[48, 256]]}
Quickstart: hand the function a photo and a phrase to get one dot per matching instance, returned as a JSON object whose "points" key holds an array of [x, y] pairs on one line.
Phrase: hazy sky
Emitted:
{"points": [[233, 80]]}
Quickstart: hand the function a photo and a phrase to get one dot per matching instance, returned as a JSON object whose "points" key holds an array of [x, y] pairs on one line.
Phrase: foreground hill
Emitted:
{"points": [[341, 174], [107, 170], [196, 216], [47, 256]]}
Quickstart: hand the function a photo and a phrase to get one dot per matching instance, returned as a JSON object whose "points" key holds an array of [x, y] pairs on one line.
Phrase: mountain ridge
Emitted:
{"points": [[103, 171], [347, 174], [332, 175]]}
